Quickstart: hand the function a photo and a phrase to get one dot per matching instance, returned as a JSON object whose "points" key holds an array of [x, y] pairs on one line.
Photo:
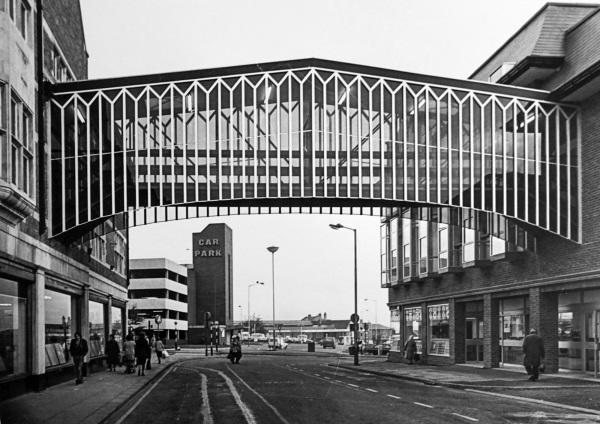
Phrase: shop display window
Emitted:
{"points": [[59, 322], [116, 327], [97, 329], [439, 330], [13, 328], [514, 324]]}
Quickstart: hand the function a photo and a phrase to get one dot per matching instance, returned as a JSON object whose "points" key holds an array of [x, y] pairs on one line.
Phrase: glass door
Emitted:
{"points": [[592, 342], [474, 340]]}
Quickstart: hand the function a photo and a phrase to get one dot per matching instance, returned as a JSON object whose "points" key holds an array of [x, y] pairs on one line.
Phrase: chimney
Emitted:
{"points": [[325, 316]]}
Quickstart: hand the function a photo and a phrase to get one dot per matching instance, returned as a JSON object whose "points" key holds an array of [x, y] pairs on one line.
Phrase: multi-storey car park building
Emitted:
{"points": [[469, 288], [159, 287], [50, 287]]}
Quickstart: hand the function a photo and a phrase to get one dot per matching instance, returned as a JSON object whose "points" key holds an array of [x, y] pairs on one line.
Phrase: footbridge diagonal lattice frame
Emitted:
{"points": [[311, 133]]}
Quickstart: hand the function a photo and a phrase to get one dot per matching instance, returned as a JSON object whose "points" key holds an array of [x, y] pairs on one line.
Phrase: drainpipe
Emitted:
{"points": [[41, 126]]}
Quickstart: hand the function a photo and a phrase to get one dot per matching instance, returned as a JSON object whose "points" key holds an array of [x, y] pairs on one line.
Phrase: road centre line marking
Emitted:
{"points": [[371, 390], [353, 385], [317, 375], [395, 397], [338, 381], [205, 409], [465, 417], [281, 417], [135, 405], [422, 404], [327, 378]]}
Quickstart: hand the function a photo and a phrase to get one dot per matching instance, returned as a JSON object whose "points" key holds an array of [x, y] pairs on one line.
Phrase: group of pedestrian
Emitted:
{"points": [[135, 353]]}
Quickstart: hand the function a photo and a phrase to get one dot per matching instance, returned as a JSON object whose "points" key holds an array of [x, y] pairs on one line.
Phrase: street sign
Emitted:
{"points": [[158, 319], [279, 326], [354, 318]]}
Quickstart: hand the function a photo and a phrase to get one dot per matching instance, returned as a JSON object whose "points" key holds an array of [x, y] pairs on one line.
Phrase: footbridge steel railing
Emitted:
{"points": [[311, 134]]}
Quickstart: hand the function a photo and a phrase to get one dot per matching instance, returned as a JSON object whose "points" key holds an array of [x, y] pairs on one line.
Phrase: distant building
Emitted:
{"points": [[159, 287]]}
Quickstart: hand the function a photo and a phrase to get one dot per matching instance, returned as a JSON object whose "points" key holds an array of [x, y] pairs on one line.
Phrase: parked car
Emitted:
{"points": [[328, 342], [375, 349], [259, 337], [278, 344]]}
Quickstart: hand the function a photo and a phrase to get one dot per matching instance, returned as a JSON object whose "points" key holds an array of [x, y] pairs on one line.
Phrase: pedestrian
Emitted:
{"points": [[142, 352], [534, 353], [159, 349], [410, 349], [235, 350], [129, 354], [113, 352], [78, 350]]}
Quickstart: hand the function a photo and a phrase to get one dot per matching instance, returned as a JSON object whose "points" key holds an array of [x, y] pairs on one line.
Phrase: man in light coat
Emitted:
{"points": [[534, 353]]}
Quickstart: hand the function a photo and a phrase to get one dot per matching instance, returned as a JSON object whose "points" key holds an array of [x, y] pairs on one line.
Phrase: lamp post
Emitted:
{"points": [[273, 249], [376, 332], [355, 315], [253, 284], [176, 336]]}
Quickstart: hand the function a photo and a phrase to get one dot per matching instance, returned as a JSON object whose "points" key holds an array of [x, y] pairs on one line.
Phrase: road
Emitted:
{"points": [[307, 389]]}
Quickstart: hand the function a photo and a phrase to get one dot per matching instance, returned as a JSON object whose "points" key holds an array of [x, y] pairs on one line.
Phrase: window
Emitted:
{"points": [[116, 325], [13, 328], [406, 230], [60, 326], [423, 228], [21, 147], [97, 329], [468, 244], [413, 325], [19, 14], [394, 249], [439, 330], [443, 246], [501, 71], [98, 247]]}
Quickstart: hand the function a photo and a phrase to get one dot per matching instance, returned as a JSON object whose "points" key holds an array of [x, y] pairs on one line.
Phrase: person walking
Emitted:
{"points": [[112, 351], [410, 349], [235, 350], [142, 352], [159, 347], [129, 355], [78, 350], [534, 353]]}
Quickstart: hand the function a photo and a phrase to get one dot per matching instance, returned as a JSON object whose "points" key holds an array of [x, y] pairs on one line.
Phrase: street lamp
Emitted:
{"points": [[355, 315], [376, 332], [273, 249], [241, 316], [253, 284]]}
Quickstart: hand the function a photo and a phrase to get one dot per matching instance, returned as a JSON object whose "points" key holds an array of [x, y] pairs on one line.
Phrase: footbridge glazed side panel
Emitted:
{"points": [[315, 132]]}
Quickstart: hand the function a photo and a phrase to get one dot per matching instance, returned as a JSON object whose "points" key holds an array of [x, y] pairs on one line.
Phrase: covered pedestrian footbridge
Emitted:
{"points": [[312, 136]]}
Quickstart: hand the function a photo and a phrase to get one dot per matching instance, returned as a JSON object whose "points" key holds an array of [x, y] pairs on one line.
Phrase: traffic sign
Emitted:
{"points": [[158, 319], [354, 318]]}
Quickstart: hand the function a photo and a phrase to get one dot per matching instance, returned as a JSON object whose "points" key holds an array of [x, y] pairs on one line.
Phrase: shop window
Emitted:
{"points": [[13, 328], [439, 330], [59, 323], [97, 329], [116, 325], [514, 323]]}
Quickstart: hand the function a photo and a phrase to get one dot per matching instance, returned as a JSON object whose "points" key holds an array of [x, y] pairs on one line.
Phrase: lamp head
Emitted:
{"points": [[273, 249], [259, 282], [336, 226]]}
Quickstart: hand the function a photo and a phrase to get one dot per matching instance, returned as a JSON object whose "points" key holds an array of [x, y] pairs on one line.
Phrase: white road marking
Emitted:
{"points": [[371, 390], [317, 375], [205, 409], [327, 378], [422, 404], [338, 381], [395, 397], [135, 405], [465, 417], [353, 385], [281, 417]]}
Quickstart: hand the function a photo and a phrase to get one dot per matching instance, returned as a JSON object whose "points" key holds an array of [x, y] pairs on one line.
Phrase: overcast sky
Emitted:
{"points": [[314, 265]]}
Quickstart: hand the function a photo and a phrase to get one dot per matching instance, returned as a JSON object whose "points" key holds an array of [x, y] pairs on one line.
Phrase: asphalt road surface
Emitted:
{"points": [[305, 389]]}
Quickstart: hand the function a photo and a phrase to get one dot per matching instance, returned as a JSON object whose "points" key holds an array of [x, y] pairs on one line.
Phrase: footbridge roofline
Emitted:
{"points": [[296, 64]]}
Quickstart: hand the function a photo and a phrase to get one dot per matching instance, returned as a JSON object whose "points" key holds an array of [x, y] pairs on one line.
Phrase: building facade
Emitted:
{"points": [[158, 287], [471, 290], [50, 288]]}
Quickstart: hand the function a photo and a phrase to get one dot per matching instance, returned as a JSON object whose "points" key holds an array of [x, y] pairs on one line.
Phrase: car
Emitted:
{"points": [[280, 344], [328, 342], [258, 337]]}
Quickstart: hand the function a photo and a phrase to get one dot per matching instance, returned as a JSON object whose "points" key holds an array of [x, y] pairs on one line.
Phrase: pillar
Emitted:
{"points": [[38, 331], [457, 331], [543, 316], [84, 318], [491, 332]]}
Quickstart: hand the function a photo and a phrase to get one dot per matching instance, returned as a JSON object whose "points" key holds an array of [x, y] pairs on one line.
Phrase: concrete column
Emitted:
{"points": [[543, 316], [84, 307], [38, 330], [424, 332], [457, 331], [109, 317], [491, 332]]}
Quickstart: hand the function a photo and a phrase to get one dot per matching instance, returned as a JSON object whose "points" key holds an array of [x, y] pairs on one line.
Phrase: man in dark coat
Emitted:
{"points": [[534, 353], [78, 350]]}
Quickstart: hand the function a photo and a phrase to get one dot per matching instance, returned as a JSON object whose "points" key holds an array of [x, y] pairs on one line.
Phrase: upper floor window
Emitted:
{"points": [[443, 245], [468, 243], [19, 12], [394, 249], [21, 149], [98, 246], [501, 71]]}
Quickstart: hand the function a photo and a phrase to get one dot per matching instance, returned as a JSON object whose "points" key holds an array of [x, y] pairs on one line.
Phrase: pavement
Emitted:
{"points": [[104, 394]]}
